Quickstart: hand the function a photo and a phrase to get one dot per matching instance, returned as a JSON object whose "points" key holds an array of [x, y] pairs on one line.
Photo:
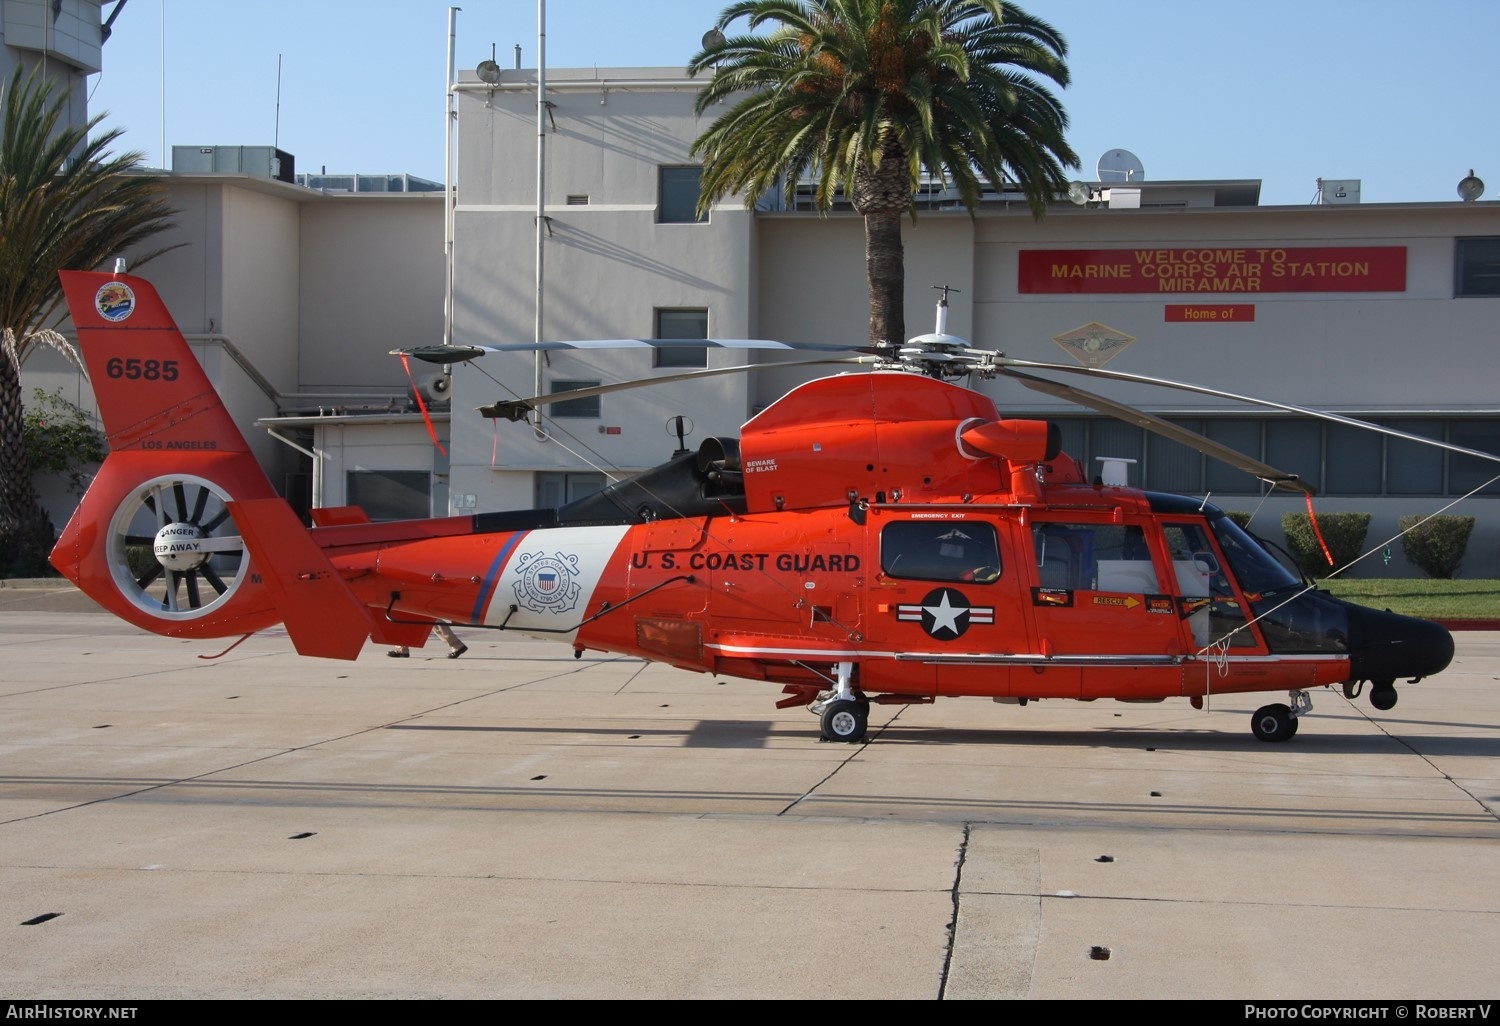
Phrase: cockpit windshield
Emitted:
{"points": [[1256, 569], [1291, 619]]}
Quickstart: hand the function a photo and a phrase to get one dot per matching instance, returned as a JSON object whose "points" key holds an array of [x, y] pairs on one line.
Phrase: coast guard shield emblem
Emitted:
{"points": [[115, 301], [547, 583]]}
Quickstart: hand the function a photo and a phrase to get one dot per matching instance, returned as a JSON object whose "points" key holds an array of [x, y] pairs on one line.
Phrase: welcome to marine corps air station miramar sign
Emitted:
{"points": [[1218, 269]]}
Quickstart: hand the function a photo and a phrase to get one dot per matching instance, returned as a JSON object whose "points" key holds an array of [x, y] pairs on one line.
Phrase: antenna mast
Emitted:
{"points": [[942, 308], [541, 190]]}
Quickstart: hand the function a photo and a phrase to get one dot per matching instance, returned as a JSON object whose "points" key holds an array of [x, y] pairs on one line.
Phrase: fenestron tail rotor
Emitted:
{"points": [[174, 550]]}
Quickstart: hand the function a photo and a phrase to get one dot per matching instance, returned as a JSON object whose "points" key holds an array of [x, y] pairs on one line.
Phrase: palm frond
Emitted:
{"points": [[960, 85], [865, 98], [65, 202]]}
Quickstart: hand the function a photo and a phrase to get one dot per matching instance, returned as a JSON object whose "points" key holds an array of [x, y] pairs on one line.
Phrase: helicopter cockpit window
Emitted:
{"points": [[940, 550], [1094, 557], [1216, 614], [1197, 566]]}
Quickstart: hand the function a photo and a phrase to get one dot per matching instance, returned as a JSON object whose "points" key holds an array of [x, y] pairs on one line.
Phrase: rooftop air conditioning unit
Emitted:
{"points": [[1338, 190]]}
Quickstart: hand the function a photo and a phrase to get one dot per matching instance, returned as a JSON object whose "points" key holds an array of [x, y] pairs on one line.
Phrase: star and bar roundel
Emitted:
{"points": [[945, 613]]}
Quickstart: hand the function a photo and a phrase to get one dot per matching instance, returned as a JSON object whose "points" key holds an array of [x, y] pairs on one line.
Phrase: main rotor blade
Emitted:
{"points": [[1007, 364], [517, 409], [1166, 429], [459, 354]]}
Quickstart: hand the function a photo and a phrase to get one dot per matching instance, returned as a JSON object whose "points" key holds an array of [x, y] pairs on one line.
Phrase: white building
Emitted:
{"points": [[1376, 312]]}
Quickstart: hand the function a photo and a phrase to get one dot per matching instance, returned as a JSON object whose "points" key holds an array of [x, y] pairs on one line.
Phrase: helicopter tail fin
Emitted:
{"points": [[322, 616], [180, 532]]}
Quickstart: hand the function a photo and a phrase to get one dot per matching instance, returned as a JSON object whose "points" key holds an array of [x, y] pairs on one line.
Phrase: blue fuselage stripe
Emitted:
{"points": [[492, 576]]}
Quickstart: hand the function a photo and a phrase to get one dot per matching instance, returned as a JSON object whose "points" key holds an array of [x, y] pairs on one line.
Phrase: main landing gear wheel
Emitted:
{"points": [[173, 549], [1273, 723], [844, 720]]}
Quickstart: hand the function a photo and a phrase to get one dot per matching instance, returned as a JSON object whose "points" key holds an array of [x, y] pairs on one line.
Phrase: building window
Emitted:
{"points": [[1337, 459], [587, 406], [1412, 468], [390, 494], [1466, 473], [558, 488], [1174, 467], [672, 324], [1296, 446], [1239, 435], [1353, 461], [1476, 266], [677, 195]]}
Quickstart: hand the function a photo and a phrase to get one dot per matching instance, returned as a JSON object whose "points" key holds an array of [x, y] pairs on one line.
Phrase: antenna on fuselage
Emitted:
{"points": [[680, 426], [942, 309]]}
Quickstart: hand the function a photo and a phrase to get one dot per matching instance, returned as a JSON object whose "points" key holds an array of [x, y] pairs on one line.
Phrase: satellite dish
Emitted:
{"points": [[1120, 166], [1470, 188], [488, 71], [712, 38], [1078, 193]]}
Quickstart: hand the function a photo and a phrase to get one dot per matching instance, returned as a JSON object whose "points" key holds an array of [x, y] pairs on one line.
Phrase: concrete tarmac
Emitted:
{"points": [[520, 824]]}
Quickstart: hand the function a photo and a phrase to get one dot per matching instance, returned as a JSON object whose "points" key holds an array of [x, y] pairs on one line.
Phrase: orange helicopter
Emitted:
{"points": [[883, 537]]}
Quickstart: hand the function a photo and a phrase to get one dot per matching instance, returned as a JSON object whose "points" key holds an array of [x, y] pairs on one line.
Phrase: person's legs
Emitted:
{"points": [[456, 647]]}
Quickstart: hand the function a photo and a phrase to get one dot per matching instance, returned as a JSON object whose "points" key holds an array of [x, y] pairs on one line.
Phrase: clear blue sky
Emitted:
{"points": [[1399, 95]]}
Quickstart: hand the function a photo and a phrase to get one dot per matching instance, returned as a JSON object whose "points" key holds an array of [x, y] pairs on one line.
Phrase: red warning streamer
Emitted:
{"points": [[1313, 519], [427, 417]]}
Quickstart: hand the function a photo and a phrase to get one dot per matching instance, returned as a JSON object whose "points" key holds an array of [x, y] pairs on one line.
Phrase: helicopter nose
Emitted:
{"points": [[1385, 646]]}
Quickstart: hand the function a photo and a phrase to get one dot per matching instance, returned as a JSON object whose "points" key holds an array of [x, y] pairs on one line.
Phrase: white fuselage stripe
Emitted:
{"points": [[763, 652], [549, 580]]}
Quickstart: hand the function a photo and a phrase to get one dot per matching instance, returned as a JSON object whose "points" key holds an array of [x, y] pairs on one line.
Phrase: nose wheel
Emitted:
{"points": [[1274, 723]]}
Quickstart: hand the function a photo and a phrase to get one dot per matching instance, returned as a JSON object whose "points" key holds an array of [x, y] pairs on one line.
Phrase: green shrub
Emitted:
{"points": [[60, 439], [1240, 517], [1436, 544], [1344, 533]]}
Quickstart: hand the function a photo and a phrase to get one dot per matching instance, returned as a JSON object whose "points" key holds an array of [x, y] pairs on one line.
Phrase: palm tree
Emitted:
{"points": [[65, 203], [863, 96]]}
